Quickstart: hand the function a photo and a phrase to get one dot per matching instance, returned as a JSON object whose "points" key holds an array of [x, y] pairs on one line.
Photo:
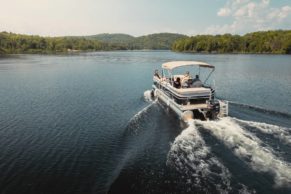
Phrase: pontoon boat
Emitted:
{"points": [[183, 86]]}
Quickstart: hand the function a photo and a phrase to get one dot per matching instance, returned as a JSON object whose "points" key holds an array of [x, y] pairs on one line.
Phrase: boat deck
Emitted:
{"points": [[183, 91]]}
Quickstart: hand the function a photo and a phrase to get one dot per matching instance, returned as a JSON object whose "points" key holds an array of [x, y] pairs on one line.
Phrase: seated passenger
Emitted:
{"points": [[185, 79], [177, 83], [197, 82], [187, 75]]}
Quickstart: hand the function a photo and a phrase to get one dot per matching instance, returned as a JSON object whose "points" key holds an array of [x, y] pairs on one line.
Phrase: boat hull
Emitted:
{"points": [[196, 111]]}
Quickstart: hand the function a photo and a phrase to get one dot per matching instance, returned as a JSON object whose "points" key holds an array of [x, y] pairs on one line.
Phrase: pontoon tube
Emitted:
{"points": [[186, 115]]}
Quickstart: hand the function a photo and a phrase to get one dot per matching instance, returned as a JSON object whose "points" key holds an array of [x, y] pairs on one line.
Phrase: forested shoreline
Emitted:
{"points": [[11, 43], [265, 42], [271, 42]]}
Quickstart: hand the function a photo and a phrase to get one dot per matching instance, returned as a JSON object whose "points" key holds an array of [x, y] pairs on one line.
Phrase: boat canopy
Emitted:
{"points": [[174, 64]]}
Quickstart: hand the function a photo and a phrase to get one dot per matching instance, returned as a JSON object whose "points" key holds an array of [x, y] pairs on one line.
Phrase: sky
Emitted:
{"points": [[141, 17]]}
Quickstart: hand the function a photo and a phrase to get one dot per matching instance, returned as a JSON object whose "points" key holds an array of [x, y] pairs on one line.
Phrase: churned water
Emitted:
{"points": [[84, 123]]}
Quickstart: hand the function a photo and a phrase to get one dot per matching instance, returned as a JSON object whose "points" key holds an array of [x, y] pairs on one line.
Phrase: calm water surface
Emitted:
{"points": [[83, 124]]}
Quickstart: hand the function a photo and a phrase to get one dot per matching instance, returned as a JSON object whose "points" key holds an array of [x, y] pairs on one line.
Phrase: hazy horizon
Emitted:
{"points": [[138, 18], [139, 35]]}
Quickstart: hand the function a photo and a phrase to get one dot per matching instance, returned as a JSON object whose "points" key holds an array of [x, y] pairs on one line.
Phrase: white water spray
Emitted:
{"points": [[139, 113], [248, 147], [281, 133], [136, 118], [190, 154], [148, 96]]}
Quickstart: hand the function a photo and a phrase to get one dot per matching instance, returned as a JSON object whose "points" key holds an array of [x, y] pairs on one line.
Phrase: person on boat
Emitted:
{"points": [[177, 83], [157, 74], [197, 82], [185, 79], [187, 75]]}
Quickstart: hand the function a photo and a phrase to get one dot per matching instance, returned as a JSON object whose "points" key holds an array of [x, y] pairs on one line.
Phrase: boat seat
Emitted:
{"points": [[180, 76], [200, 91]]}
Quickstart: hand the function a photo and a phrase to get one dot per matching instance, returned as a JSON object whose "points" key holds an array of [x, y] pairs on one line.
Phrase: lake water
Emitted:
{"points": [[83, 123]]}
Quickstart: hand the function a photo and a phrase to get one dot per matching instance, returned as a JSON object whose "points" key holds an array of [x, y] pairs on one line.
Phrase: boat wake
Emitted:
{"points": [[249, 148], [133, 123], [189, 154], [260, 109], [141, 112], [128, 147], [282, 133]]}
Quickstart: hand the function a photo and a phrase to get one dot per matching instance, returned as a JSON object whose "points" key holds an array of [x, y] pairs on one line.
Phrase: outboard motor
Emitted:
{"points": [[223, 108], [215, 108], [219, 109]]}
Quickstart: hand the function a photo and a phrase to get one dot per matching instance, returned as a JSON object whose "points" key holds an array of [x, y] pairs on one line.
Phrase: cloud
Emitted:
{"points": [[251, 15], [224, 12], [285, 11]]}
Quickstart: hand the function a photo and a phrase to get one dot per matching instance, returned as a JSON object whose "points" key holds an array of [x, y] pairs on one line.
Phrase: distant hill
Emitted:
{"points": [[112, 38], [156, 41], [151, 41]]}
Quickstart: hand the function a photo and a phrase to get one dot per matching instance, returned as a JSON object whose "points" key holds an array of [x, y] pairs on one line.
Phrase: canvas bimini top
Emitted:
{"points": [[174, 64]]}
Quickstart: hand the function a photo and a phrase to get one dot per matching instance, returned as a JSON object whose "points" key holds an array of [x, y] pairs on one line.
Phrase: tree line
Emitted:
{"points": [[278, 42], [18, 43]]}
